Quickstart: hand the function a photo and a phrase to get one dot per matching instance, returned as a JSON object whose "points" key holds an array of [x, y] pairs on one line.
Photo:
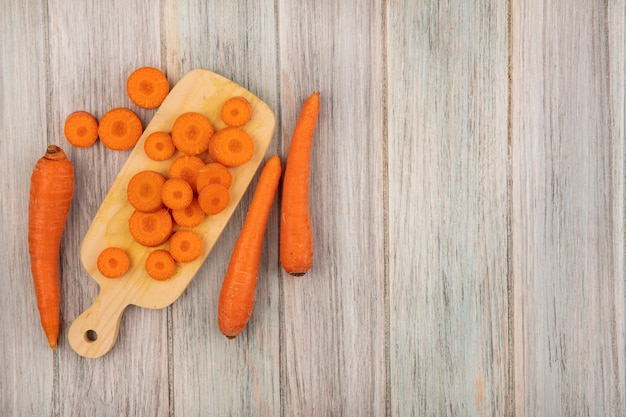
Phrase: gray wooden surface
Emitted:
{"points": [[467, 200]]}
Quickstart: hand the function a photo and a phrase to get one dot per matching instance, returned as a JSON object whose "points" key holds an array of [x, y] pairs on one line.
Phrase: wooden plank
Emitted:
{"points": [[94, 46], [333, 324], [567, 156], [211, 374], [26, 385], [447, 147]]}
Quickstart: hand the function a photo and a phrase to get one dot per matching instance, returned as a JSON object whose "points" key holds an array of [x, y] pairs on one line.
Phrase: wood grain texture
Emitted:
{"points": [[447, 147], [94, 46], [28, 363], [469, 228], [211, 374], [334, 317], [568, 207]]}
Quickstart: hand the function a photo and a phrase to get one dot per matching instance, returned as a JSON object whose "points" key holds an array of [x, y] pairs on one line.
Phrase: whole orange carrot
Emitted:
{"points": [[238, 289], [296, 233], [51, 191]]}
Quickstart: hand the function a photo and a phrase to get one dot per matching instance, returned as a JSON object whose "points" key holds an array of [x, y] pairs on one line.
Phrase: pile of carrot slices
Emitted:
{"points": [[167, 207]]}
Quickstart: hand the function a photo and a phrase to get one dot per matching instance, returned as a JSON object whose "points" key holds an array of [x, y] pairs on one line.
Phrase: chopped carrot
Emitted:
{"points": [[185, 245], [214, 173], [213, 198], [187, 168], [158, 146], [51, 191], [296, 235], [231, 146], [150, 229], [160, 265], [144, 190], [147, 87], [236, 299], [176, 193], [190, 216], [81, 129], [191, 133], [120, 129], [236, 111], [113, 262]]}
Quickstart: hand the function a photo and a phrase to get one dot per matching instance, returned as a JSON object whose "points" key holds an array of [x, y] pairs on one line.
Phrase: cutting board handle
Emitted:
{"points": [[94, 332]]}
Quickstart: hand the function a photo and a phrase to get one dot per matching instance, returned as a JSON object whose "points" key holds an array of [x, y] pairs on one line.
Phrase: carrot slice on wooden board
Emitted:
{"points": [[120, 129], [147, 87], [214, 173], [160, 265], [144, 190], [231, 146], [191, 133], [236, 111], [81, 129], [237, 294], [113, 262], [150, 229], [190, 216], [176, 193], [186, 168], [51, 191], [185, 245], [159, 146], [296, 232], [214, 198]]}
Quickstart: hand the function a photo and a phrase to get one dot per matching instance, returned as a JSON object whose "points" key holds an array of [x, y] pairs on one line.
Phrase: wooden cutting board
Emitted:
{"points": [[95, 331]]}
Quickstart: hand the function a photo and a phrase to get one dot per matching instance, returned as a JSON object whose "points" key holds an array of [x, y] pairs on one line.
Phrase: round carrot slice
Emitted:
{"points": [[150, 229], [231, 146], [236, 111], [144, 190], [213, 198], [113, 262], [158, 146], [147, 87], [81, 129], [120, 129], [190, 216], [185, 245], [186, 168], [214, 173], [176, 193], [191, 133], [160, 265]]}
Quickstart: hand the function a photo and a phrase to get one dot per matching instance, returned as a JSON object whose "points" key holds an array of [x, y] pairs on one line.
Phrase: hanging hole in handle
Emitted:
{"points": [[91, 336]]}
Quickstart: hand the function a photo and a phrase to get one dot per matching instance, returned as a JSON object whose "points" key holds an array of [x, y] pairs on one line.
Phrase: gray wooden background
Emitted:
{"points": [[467, 200]]}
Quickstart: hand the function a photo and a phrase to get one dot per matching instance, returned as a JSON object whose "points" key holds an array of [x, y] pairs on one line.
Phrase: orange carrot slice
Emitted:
{"points": [[231, 146], [185, 245], [236, 111], [144, 190], [214, 173], [81, 129], [120, 129], [160, 265], [113, 262], [191, 133], [147, 87], [214, 198], [159, 146], [150, 229]]}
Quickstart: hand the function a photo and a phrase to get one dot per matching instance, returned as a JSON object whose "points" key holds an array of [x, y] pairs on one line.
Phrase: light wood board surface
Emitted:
{"points": [[467, 201]]}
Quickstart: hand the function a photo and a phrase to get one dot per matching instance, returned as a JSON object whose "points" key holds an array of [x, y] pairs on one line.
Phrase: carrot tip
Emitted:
{"points": [[52, 341]]}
